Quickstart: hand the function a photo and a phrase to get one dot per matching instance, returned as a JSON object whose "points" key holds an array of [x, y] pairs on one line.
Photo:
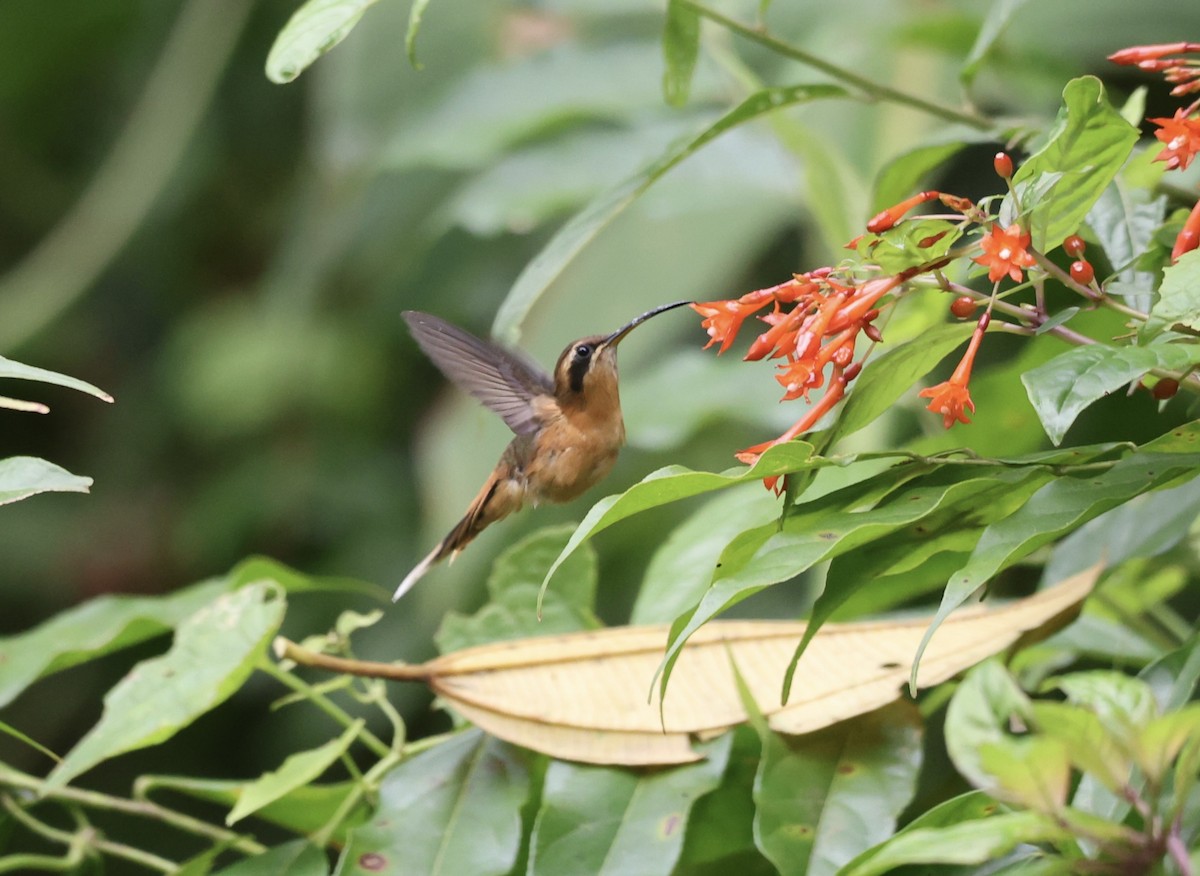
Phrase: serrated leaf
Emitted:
{"points": [[299, 769], [681, 46], [1087, 147], [584, 226], [92, 629], [452, 809], [1061, 388], [314, 29], [25, 476], [1178, 301], [600, 821], [214, 652], [1064, 505], [9, 368], [583, 696]]}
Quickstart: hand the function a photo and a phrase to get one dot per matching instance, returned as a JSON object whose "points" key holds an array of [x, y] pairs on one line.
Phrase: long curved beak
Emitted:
{"points": [[616, 337]]}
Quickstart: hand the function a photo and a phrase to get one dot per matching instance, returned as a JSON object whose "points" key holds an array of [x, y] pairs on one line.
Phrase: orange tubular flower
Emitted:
{"points": [[722, 319], [1005, 252], [1182, 138], [951, 398], [1135, 55], [1189, 237]]}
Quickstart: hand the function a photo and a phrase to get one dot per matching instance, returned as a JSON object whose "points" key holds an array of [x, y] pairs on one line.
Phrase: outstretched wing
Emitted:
{"points": [[499, 378]]}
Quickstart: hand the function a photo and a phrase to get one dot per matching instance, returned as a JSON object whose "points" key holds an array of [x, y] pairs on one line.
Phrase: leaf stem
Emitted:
{"points": [[870, 87], [322, 702]]}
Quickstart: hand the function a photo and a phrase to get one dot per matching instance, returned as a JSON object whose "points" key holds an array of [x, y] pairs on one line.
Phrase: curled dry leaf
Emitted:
{"points": [[583, 696]]}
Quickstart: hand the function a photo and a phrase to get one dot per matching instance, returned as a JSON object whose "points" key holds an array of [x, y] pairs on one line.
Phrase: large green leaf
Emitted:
{"points": [[981, 712], [314, 29], [604, 821], [1061, 388], [92, 629], [1059, 183], [214, 652], [513, 589], [25, 476], [1064, 505], [1125, 220], [452, 809], [825, 797], [1178, 301], [999, 15], [297, 858], [298, 770], [581, 229]]}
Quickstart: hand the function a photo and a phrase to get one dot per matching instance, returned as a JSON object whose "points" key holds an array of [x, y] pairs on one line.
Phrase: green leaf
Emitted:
{"points": [[214, 652], [513, 586], [1174, 677], [902, 175], [893, 374], [452, 809], [264, 568], [1033, 772], [1061, 388], [825, 797], [415, 14], [1157, 746], [1062, 506], [1120, 701], [12, 731], [979, 714], [304, 810], [673, 483], [9, 368], [580, 230], [314, 29], [1125, 219], [299, 769], [912, 242], [681, 46], [25, 476], [1178, 297], [297, 858], [1089, 744], [682, 566], [998, 16], [93, 629], [604, 821], [1087, 147]]}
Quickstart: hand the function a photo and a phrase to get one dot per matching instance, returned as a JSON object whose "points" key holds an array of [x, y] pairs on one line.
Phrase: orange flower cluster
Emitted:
{"points": [[1179, 134], [1005, 252], [814, 322]]}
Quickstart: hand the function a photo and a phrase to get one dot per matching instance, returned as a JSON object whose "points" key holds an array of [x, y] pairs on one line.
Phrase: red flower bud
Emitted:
{"points": [[1003, 165], [886, 219], [1137, 54], [963, 307], [1189, 237], [1081, 272], [1165, 389], [1074, 246]]}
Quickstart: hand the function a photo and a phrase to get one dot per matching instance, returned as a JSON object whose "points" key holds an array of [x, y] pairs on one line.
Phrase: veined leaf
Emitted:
{"points": [[25, 476], [582, 696], [600, 821], [1087, 147], [1065, 504], [214, 651], [1061, 388], [572, 237], [452, 809], [314, 29], [299, 769], [1125, 219]]}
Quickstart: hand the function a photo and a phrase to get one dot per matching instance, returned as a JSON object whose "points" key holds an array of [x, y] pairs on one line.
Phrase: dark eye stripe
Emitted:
{"points": [[576, 371]]}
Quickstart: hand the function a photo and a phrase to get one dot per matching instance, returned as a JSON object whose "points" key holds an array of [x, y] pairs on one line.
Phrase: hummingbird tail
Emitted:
{"points": [[417, 573]]}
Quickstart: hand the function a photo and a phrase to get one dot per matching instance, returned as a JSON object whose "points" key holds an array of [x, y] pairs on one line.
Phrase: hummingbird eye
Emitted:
{"points": [[583, 351]]}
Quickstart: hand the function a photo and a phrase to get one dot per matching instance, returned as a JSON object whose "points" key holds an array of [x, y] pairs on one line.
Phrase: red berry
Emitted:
{"points": [[1074, 246], [963, 307], [1081, 272], [1003, 165], [1165, 388]]}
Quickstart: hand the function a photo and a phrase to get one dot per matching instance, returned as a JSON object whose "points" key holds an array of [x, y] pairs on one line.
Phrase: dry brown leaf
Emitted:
{"points": [[584, 696]]}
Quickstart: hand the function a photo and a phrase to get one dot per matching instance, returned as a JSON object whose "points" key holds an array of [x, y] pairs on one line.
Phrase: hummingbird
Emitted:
{"points": [[568, 427]]}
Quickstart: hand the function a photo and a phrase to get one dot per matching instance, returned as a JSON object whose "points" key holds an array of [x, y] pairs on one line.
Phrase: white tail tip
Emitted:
{"points": [[415, 575]]}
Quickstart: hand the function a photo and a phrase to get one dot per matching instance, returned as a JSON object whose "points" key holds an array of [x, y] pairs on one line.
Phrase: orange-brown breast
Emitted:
{"points": [[576, 446]]}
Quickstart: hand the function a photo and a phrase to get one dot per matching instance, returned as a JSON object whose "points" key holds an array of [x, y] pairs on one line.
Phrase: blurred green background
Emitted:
{"points": [[229, 258]]}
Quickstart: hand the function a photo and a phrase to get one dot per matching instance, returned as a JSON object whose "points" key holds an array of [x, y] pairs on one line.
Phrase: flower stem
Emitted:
{"points": [[868, 86]]}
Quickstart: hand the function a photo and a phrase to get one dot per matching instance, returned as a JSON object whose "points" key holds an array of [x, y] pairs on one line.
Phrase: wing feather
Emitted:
{"points": [[504, 381]]}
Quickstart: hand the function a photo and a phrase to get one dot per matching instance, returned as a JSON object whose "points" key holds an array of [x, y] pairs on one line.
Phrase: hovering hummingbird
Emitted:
{"points": [[568, 427]]}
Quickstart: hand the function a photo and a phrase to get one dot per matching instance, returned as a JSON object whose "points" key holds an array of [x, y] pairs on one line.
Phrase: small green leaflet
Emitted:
{"points": [[314, 29]]}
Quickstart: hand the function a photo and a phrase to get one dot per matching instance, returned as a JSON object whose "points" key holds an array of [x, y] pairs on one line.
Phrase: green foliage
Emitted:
{"points": [[275, 417]]}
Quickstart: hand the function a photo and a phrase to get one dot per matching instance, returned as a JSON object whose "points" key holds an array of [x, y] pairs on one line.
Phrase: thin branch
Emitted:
{"points": [[289, 650]]}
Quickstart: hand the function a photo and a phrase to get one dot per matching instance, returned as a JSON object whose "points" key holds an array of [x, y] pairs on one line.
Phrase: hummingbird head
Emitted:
{"points": [[593, 359]]}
